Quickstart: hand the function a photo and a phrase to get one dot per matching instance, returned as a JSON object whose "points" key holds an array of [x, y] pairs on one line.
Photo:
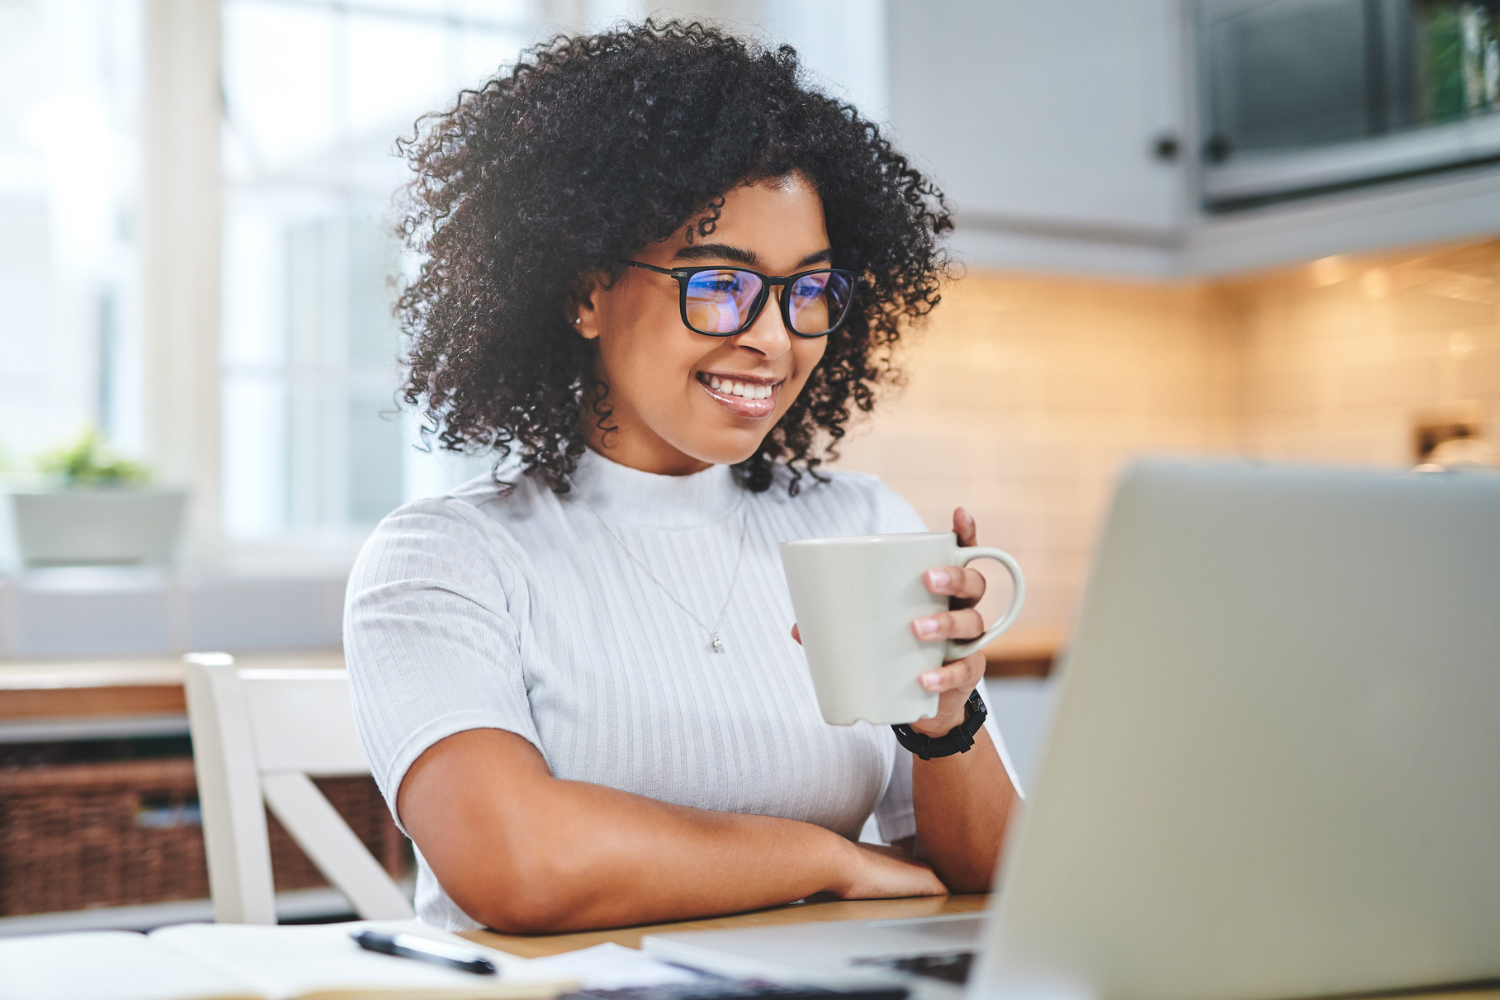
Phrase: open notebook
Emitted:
{"points": [[245, 962]]}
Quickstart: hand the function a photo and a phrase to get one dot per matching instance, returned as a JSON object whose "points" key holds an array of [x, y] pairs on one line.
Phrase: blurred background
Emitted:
{"points": [[1263, 228]]}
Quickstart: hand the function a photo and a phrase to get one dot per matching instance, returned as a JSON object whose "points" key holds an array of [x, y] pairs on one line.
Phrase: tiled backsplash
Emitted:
{"points": [[1341, 360], [1026, 395]]}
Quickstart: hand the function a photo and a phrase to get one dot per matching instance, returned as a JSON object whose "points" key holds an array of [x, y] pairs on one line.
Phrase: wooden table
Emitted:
{"points": [[796, 913], [77, 689], [801, 913]]}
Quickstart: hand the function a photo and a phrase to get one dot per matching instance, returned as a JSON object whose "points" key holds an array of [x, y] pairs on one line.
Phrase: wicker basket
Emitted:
{"points": [[123, 832]]}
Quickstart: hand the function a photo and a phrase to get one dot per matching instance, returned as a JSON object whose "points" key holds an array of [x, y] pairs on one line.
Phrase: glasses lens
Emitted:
{"points": [[818, 302], [719, 301]]}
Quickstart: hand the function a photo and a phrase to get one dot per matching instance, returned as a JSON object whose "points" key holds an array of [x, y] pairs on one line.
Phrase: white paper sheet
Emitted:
{"points": [[107, 965], [613, 967], [322, 958]]}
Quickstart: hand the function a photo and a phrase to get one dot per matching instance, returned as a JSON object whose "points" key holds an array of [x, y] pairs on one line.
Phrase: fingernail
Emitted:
{"points": [[938, 577], [930, 679], [925, 626]]}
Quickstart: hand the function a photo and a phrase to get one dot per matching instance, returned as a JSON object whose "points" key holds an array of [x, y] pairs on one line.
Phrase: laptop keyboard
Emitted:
{"points": [[721, 988], [950, 967]]}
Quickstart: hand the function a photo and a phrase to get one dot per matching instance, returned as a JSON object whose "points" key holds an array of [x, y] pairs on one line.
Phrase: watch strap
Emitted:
{"points": [[956, 740]]}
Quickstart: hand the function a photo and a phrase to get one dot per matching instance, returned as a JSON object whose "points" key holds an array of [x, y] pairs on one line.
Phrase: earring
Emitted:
{"points": [[577, 320]]}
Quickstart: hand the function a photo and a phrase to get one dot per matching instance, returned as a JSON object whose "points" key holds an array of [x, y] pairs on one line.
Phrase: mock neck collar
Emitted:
{"points": [[629, 496]]}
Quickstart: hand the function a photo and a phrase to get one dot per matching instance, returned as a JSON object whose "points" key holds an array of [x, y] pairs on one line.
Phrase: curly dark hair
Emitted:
{"points": [[595, 146]]}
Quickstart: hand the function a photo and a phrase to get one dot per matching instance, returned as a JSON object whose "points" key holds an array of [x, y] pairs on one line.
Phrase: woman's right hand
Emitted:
{"points": [[874, 872]]}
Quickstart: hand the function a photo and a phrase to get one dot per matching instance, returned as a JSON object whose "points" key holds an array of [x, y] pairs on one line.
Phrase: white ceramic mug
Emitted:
{"points": [[855, 599]]}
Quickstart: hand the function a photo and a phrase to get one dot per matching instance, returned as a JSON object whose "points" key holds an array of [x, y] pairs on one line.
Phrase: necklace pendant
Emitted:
{"points": [[717, 644]]}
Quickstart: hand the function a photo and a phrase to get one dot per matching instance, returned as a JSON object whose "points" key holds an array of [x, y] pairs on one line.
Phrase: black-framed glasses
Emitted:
{"points": [[721, 301]]}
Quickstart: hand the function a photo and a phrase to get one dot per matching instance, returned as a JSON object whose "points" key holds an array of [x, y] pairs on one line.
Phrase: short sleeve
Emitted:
{"points": [[429, 638]]}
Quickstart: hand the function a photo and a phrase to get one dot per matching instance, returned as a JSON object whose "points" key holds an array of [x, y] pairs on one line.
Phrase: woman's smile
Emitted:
{"points": [[752, 396]]}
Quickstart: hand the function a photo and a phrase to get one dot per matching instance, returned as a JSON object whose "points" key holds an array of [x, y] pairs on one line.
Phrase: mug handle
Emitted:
{"points": [[957, 651]]}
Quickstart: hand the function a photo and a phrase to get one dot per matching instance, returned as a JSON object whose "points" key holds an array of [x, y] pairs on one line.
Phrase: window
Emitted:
{"points": [[298, 441], [70, 337], [315, 446]]}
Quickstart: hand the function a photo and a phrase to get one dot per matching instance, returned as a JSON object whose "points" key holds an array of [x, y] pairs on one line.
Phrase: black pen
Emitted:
{"points": [[425, 950]]}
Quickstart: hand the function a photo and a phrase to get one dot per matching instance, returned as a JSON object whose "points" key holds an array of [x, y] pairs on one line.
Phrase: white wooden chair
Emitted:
{"points": [[260, 735]]}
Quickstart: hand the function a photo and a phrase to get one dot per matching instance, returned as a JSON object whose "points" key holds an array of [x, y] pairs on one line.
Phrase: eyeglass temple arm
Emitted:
{"points": [[650, 267]]}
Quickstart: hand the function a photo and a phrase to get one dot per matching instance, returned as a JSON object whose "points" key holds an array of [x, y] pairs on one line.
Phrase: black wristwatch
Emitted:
{"points": [[956, 740]]}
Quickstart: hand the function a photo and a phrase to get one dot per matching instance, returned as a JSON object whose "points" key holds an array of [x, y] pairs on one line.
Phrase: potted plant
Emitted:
{"points": [[93, 509]]}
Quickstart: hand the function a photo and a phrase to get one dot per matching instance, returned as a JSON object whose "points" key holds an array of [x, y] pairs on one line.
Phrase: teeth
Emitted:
{"points": [[744, 390]]}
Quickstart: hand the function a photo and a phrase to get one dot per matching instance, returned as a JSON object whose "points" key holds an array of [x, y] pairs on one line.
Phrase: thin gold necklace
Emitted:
{"points": [[715, 643]]}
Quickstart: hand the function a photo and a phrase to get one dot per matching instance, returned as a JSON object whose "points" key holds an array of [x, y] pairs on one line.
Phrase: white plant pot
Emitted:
{"points": [[96, 527]]}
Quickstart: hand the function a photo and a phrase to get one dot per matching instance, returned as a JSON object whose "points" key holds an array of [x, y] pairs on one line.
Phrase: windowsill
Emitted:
{"points": [[244, 606]]}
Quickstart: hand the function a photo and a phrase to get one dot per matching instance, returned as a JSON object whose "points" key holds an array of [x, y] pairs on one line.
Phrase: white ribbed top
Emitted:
{"points": [[520, 612]]}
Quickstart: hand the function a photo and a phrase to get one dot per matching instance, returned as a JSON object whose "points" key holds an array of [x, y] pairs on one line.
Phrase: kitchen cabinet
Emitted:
{"points": [[1054, 128], [1070, 138]]}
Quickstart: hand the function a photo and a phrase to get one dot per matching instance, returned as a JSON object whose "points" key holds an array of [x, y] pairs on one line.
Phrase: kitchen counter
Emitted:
{"points": [[1025, 651], [98, 699]]}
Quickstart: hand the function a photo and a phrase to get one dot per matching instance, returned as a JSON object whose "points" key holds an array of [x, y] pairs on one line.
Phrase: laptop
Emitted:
{"points": [[1273, 768]]}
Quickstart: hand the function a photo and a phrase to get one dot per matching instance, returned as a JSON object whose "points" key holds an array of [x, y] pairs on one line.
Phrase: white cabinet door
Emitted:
{"points": [[1042, 116]]}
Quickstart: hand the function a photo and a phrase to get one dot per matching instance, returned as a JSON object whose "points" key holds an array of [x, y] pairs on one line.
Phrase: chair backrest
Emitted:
{"points": [[259, 736]]}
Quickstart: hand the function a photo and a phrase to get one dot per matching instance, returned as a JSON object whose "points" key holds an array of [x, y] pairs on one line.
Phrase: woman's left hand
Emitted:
{"points": [[954, 681]]}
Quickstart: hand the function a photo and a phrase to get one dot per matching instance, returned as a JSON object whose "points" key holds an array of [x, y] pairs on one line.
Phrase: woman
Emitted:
{"points": [[660, 276]]}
